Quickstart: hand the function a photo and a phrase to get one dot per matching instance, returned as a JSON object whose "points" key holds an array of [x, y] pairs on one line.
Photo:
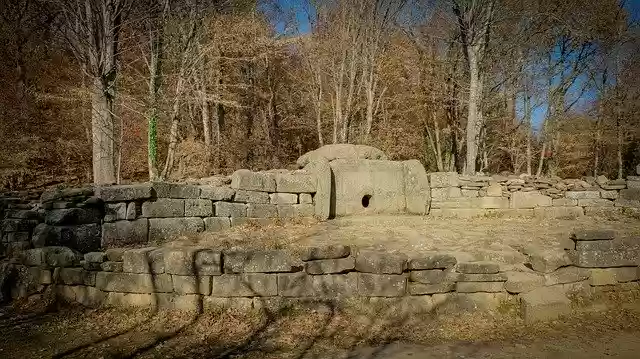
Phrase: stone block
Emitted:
{"points": [[479, 267], [582, 194], [245, 196], [132, 211], [74, 276], [208, 262], [245, 285], [523, 282], [609, 194], [497, 277], [12, 237], [176, 190], [92, 266], [198, 208], [471, 193], [283, 198], [163, 208], [566, 275], [89, 296], [17, 225], [493, 202], [446, 193], [322, 197], [51, 257], [417, 190], [252, 181], [548, 260], [593, 234], [494, 190], [73, 216], [191, 261], [444, 179], [621, 202], [616, 257], [325, 252], [131, 300], [432, 261], [125, 193], [123, 233], [110, 266], [564, 202], [255, 210], [133, 282], [531, 199], [295, 182], [226, 209], [558, 212], [305, 198], [266, 261], [433, 276], [295, 210], [144, 260], [603, 277], [422, 289], [368, 261], [216, 223], [185, 284], [632, 194], [217, 193], [595, 202], [627, 274], [324, 286], [165, 229], [330, 266], [95, 257], [115, 212], [544, 304], [596, 245], [381, 285], [115, 254], [475, 287]]}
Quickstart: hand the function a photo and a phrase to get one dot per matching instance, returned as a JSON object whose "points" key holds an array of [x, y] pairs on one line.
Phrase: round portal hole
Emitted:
{"points": [[365, 200]]}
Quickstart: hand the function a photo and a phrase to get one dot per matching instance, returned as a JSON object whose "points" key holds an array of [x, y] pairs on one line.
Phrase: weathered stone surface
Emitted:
{"points": [[547, 260], [381, 285], [128, 300], [627, 274], [305, 198], [91, 266], [324, 286], [480, 267], [567, 275], [176, 190], [531, 199], [616, 257], [226, 209], [133, 282], [564, 202], [474, 287], [368, 261], [447, 193], [283, 198], [89, 296], [51, 257], [367, 187], [56, 193], [163, 208], [252, 181], [184, 284], [95, 257], [595, 245], [217, 193], [603, 277], [609, 194], [593, 235], [630, 194], [558, 212], [245, 285], [208, 262], [443, 179], [582, 194], [125, 193], [417, 190], [132, 211], [471, 193], [497, 277], [544, 304], [322, 197], [296, 182], [163, 229], [255, 210], [74, 276], [84, 238], [295, 210], [494, 190], [433, 276], [198, 208], [191, 261], [216, 223], [122, 233], [143, 260], [43, 235], [17, 225], [595, 202], [115, 254], [115, 212], [112, 266], [245, 196], [219, 304], [420, 288], [620, 202], [330, 153], [18, 237], [73, 216], [492, 202], [325, 252], [330, 266], [267, 261], [522, 282]]}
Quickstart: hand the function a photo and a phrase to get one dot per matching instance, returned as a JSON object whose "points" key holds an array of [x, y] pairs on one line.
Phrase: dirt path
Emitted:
{"points": [[321, 334]]}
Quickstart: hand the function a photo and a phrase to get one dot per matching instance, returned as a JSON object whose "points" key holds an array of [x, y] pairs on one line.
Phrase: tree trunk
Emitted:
{"points": [[619, 146], [155, 81], [473, 119], [103, 134]]}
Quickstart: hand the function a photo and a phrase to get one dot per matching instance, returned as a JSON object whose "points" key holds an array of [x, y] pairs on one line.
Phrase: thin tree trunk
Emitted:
{"points": [[103, 134], [473, 125], [173, 132], [619, 146], [318, 106]]}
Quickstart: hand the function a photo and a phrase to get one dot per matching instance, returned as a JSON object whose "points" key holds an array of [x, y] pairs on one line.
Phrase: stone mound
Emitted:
{"points": [[341, 151]]}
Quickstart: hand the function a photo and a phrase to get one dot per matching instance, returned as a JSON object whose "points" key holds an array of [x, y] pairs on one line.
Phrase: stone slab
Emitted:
{"points": [[479, 267], [245, 285], [163, 208], [266, 261], [324, 286], [544, 304], [164, 229], [198, 208], [381, 285], [330, 266], [368, 261], [325, 252]]}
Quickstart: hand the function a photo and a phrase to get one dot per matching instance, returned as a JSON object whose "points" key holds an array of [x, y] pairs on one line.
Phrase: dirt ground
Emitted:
{"points": [[319, 334], [482, 238]]}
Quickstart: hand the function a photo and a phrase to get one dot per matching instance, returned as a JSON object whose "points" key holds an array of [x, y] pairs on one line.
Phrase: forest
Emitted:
{"points": [[114, 91]]}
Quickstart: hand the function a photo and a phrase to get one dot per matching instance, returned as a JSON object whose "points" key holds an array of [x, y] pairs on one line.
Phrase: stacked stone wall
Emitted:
{"points": [[192, 278]]}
